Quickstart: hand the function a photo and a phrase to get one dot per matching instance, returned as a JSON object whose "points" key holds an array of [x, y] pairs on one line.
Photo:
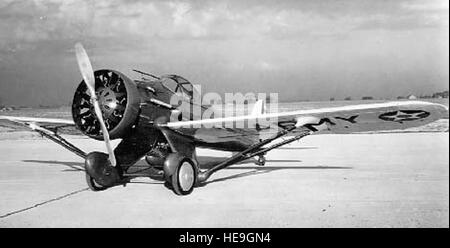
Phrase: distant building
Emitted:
{"points": [[425, 97], [4, 109], [443, 94], [367, 98], [411, 97]]}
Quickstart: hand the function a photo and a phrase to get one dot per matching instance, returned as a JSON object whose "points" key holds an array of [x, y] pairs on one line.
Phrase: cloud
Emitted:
{"points": [[410, 15], [306, 46], [33, 21]]}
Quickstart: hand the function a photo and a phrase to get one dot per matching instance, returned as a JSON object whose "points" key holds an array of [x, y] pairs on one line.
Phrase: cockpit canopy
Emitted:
{"points": [[179, 85]]}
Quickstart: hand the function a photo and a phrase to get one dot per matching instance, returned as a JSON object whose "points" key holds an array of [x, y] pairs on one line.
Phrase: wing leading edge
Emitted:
{"points": [[36, 120]]}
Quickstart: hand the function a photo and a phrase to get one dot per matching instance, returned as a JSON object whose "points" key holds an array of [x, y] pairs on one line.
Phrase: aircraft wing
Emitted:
{"points": [[346, 119], [36, 120], [37, 123]]}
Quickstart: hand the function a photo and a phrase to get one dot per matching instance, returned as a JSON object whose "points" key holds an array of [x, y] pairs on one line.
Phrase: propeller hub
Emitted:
{"points": [[108, 101]]}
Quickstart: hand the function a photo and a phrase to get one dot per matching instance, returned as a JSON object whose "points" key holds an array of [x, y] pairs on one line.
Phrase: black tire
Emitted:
{"points": [[93, 185], [184, 179]]}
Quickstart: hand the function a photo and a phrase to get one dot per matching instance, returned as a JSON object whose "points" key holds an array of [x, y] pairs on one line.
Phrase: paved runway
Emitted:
{"points": [[361, 180]]}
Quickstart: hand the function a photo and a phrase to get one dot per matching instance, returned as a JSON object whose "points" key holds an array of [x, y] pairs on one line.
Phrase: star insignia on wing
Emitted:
{"points": [[404, 115]]}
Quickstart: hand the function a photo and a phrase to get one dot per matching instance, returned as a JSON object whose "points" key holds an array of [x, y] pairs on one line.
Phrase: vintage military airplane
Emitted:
{"points": [[109, 105]]}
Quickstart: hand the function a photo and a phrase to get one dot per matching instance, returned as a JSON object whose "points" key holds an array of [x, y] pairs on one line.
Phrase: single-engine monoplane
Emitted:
{"points": [[109, 105]]}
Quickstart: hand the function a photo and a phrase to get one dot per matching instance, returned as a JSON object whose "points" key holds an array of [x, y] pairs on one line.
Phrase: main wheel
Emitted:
{"points": [[183, 180], [99, 172], [93, 185]]}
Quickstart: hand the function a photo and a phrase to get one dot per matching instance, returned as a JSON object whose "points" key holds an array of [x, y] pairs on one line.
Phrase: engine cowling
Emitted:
{"points": [[119, 101]]}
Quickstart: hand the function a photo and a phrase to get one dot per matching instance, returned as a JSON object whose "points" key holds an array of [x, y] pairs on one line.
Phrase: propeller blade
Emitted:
{"points": [[88, 75], [85, 67]]}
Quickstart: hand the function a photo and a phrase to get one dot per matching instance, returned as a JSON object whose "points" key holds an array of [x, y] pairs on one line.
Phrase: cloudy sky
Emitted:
{"points": [[302, 49]]}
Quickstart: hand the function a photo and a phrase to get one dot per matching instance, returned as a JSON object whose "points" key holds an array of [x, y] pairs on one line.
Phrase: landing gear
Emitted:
{"points": [[100, 174], [183, 180], [93, 185], [261, 160], [180, 173], [252, 151]]}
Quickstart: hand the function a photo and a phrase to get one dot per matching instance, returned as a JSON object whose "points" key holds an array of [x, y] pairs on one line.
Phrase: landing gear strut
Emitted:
{"points": [[254, 150]]}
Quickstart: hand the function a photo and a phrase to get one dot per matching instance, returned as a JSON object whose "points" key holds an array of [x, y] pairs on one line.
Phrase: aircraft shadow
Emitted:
{"points": [[77, 166], [267, 169], [297, 148], [74, 166], [209, 162], [206, 163]]}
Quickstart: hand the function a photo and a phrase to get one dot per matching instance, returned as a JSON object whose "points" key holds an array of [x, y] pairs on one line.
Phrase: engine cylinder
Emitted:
{"points": [[119, 102]]}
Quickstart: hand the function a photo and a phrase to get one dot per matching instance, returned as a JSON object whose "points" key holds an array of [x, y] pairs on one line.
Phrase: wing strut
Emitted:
{"points": [[55, 137], [252, 151]]}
